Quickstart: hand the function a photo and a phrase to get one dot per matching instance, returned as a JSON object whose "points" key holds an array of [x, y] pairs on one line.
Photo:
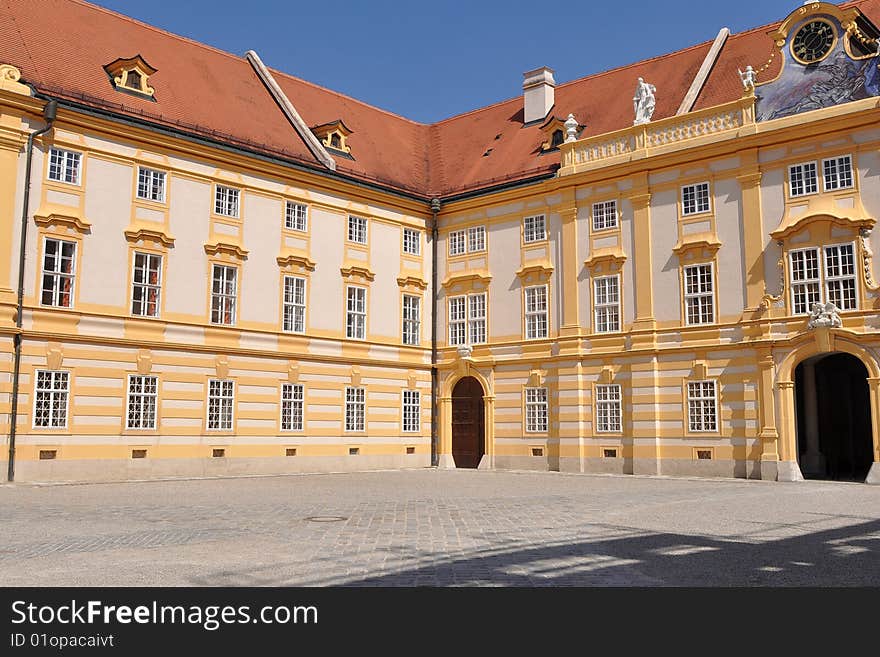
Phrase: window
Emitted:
{"points": [[64, 166], [699, 294], [840, 276], [477, 318], [133, 80], [294, 320], [292, 407], [534, 229], [356, 313], [151, 184], [476, 239], [702, 406], [837, 172], [457, 242], [412, 241], [607, 303], [457, 320], [695, 198], [355, 407], [59, 263], [536, 410], [608, 408], [221, 396], [335, 140], [295, 216], [412, 410], [223, 294], [536, 312], [604, 215], [226, 201], [142, 394], [50, 399], [412, 318], [146, 284], [357, 229], [802, 179], [467, 319], [557, 139]]}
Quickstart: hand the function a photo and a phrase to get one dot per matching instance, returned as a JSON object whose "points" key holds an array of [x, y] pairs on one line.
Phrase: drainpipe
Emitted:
{"points": [[49, 112], [435, 393]]}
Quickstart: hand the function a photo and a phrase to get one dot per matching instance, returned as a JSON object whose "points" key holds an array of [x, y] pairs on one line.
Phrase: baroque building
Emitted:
{"points": [[212, 267]]}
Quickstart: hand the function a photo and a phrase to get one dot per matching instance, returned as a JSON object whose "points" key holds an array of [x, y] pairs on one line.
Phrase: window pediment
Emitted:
{"points": [[795, 224], [131, 75]]}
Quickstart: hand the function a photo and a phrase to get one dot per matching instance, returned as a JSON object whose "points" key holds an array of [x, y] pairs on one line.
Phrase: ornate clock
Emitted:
{"points": [[813, 41]]}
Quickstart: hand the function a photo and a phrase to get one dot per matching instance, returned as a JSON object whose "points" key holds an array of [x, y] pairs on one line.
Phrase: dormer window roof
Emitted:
{"points": [[131, 75], [333, 135], [554, 133]]}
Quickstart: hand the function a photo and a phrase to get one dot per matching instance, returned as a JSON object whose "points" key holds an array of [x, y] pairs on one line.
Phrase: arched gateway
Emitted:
{"points": [[468, 423]]}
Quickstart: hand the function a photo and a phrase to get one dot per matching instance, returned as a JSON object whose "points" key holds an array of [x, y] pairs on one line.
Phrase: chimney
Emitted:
{"points": [[538, 86]]}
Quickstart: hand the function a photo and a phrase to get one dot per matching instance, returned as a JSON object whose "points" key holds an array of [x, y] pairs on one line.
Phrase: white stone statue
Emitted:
{"points": [[824, 316], [465, 351], [643, 102], [748, 77], [571, 127]]}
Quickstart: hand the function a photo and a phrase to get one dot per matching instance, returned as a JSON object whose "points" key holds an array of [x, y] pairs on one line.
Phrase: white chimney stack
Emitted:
{"points": [[538, 88]]}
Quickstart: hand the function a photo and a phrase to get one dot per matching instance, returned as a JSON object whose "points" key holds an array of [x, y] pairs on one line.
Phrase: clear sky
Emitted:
{"points": [[431, 60]]}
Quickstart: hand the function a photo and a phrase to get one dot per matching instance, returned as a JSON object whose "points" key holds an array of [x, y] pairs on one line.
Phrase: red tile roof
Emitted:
{"points": [[61, 47]]}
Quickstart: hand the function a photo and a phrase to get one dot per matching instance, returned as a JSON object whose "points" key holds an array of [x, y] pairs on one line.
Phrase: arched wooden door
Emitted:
{"points": [[468, 423]]}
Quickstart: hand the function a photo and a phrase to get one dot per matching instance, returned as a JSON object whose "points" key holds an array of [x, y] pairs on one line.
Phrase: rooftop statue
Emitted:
{"points": [[748, 77], [643, 102]]}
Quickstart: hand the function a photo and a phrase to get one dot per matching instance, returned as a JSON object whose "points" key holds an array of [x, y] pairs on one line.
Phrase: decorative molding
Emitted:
{"points": [[327, 131], [63, 220], [612, 256], [700, 370], [357, 271], [540, 270], [355, 375], [221, 366], [606, 375], [120, 70], [227, 249], [770, 299], [482, 277], [293, 371], [706, 243], [536, 378], [411, 379], [295, 261], [867, 258], [824, 316], [792, 224], [9, 80], [54, 355], [144, 362], [412, 282], [136, 234]]}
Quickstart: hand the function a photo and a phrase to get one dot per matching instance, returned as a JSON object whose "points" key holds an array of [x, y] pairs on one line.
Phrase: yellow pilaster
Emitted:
{"points": [[643, 259], [488, 461], [11, 143], [753, 231], [769, 436], [874, 387], [787, 428], [570, 265]]}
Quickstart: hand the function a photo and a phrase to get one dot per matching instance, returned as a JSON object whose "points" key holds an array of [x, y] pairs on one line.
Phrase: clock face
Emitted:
{"points": [[813, 42]]}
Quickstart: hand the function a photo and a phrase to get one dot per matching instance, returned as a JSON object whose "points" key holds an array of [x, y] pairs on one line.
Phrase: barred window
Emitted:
{"points": [[534, 229], [536, 410], [356, 312], [607, 303], [476, 239], [412, 241], [837, 172], [146, 284], [355, 409], [294, 320], [226, 201], [840, 276], [295, 216], [458, 320], [357, 229], [59, 264], [457, 242], [604, 215], [695, 198], [536, 312], [292, 398], [142, 395], [412, 411], [64, 166], [702, 406], [51, 394], [151, 184], [477, 318], [412, 318], [608, 408], [699, 294], [802, 179], [221, 398], [223, 294], [805, 288]]}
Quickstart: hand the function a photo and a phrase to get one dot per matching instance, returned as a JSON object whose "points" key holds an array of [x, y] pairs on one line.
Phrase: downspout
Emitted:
{"points": [[435, 393], [49, 113]]}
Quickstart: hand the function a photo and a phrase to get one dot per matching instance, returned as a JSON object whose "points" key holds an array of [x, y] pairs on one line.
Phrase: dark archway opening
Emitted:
{"points": [[468, 425], [833, 418]]}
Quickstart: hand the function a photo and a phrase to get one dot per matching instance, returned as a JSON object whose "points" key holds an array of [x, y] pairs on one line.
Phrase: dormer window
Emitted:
{"points": [[333, 135], [554, 134], [557, 139], [131, 75], [336, 141]]}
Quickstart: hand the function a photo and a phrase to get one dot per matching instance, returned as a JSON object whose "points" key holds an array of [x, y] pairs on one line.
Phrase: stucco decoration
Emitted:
{"points": [[465, 351], [144, 362], [571, 128], [221, 366], [54, 355], [824, 316], [748, 78], [867, 258], [293, 371], [643, 102]]}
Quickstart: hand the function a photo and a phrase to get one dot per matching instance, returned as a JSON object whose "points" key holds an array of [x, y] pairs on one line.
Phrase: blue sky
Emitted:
{"points": [[428, 61]]}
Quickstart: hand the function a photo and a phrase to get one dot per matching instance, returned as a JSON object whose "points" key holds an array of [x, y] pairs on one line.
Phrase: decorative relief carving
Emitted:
{"points": [[776, 299], [824, 316], [221, 366], [867, 258], [144, 362], [54, 355]]}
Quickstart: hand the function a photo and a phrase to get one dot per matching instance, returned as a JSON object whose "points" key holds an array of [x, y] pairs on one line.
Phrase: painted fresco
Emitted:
{"points": [[836, 79]]}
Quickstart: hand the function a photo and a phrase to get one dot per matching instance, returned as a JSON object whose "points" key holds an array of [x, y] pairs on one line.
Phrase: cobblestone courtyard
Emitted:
{"points": [[439, 528]]}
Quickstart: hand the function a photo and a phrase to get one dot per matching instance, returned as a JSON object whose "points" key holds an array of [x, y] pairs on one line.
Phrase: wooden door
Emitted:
{"points": [[468, 440]]}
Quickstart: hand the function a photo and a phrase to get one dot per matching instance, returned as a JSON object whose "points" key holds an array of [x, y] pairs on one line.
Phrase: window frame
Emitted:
{"points": [[612, 404], [58, 275], [155, 172], [146, 287], [408, 322], [537, 411], [536, 314], [360, 225], [827, 278], [230, 193], [355, 313], [77, 157], [603, 306], [154, 396], [291, 219], [815, 179], [823, 279], [697, 210], [837, 160], [415, 415], [691, 296], [224, 296], [701, 399], [220, 401], [52, 392], [362, 404], [606, 226], [296, 308], [472, 231], [457, 239], [531, 236], [293, 401], [415, 239]]}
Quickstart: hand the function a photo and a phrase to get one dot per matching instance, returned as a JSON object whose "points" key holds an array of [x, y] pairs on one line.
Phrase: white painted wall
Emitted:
{"points": [[261, 276], [187, 273], [664, 235], [729, 278], [326, 301]]}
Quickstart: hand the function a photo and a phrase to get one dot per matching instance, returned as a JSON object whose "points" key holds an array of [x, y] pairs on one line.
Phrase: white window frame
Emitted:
{"points": [[411, 320], [352, 312], [412, 241], [457, 319], [537, 410], [293, 308], [296, 216], [144, 286], [151, 184], [476, 239], [223, 301], [799, 173], [457, 242], [57, 273], [607, 306], [534, 228], [292, 398], [355, 409], [221, 397], [609, 408], [411, 411], [140, 401], [477, 326], [357, 229], [841, 176], [701, 301], [695, 190], [62, 163], [227, 201], [841, 279], [604, 215], [51, 395], [537, 319], [698, 402]]}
